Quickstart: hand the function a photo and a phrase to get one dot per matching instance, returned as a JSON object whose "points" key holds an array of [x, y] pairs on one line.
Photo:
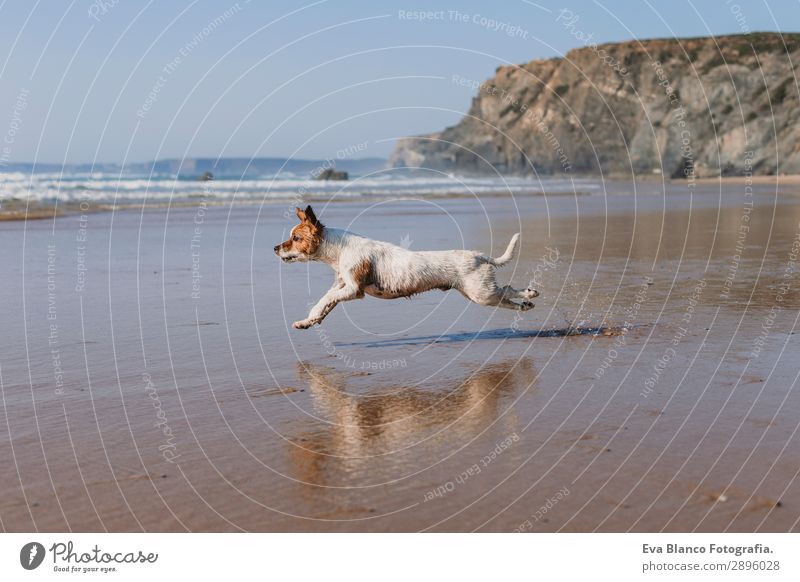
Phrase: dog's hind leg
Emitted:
{"points": [[508, 304], [525, 294], [496, 298], [479, 286]]}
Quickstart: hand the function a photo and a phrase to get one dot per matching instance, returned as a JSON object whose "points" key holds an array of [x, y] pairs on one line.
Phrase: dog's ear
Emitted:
{"points": [[310, 216]]}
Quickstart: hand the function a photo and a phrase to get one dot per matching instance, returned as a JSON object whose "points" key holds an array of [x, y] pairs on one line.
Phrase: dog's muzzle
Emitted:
{"points": [[284, 258]]}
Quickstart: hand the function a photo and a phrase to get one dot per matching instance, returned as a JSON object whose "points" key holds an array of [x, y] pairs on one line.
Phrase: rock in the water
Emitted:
{"points": [[206, 177], [331, 174]]}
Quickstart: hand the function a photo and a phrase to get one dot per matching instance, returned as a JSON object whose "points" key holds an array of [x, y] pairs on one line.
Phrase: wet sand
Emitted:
{"points": [[150, 380]]}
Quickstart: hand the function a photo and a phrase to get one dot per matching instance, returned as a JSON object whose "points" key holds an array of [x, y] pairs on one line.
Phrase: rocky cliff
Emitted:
{"points": [[685, 108]]}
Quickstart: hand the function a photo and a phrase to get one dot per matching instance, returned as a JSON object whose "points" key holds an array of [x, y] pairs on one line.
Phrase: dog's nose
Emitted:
{"points": [[277, 248]]}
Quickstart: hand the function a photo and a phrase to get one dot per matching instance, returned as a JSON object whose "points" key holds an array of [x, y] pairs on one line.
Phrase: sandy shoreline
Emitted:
{"points": [[151, 380]]}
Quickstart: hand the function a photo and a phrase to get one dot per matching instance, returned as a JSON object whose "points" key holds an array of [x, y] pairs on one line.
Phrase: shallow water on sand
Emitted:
{"points": [[151, 381]]}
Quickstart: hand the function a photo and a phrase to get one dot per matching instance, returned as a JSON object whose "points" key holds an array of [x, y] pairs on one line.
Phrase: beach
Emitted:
{"points": [[151, 380]]}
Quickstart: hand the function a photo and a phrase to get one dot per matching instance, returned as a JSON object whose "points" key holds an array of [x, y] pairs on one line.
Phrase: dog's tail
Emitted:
{"points": [[508, 255]]}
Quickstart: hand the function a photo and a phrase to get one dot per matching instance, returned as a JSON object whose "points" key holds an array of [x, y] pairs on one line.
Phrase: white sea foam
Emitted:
{"points": [[110, 188]]}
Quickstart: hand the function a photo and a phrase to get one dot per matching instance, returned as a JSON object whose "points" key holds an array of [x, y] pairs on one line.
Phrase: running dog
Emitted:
{"points": [[383, 270]]}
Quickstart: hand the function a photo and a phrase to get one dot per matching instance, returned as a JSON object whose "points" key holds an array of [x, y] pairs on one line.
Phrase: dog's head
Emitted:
{"points": [[304, 240]]}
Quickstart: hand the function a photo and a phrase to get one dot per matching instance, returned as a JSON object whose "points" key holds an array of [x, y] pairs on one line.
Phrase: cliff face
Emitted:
{"points": [[691, 107]]}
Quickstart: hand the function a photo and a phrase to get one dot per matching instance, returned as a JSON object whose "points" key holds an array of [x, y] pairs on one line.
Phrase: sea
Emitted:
{"points": [[118, 188]]}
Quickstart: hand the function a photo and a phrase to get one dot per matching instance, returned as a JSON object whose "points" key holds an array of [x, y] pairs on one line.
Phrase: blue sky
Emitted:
{"points": [[107, 81]]}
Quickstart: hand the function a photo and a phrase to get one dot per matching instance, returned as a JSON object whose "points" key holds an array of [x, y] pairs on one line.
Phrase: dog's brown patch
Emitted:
{"points": [[422, 288], [362, 275], [306, 237]]}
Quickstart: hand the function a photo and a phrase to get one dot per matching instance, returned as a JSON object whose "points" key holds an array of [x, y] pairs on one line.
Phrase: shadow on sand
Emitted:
{"points": [[492, 334]]}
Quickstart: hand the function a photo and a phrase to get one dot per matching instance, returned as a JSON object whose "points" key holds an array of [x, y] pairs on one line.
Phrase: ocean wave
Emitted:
{"points": [[110, 188]]}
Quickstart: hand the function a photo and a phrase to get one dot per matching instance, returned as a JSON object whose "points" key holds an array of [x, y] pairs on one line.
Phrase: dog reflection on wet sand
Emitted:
{"points": [[379, 433]]}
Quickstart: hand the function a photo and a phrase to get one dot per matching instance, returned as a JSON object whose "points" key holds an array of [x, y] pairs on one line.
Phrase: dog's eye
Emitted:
{"points": [[296, 238]]}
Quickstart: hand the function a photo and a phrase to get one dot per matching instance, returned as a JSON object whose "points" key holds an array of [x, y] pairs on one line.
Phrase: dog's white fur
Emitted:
{"points": [[381, 269]]}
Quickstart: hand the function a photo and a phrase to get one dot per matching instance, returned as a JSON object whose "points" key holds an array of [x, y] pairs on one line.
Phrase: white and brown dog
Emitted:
{"points": [[388, 271]]}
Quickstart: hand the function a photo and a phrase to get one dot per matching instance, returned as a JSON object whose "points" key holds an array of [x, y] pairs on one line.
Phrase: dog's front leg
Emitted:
{"points": [[324, 306]]}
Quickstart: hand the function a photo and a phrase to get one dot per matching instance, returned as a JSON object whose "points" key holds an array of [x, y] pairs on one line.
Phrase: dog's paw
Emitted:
{"points": [[305, 324], [530, 293], [526, 306]]}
